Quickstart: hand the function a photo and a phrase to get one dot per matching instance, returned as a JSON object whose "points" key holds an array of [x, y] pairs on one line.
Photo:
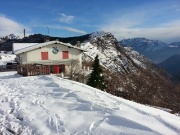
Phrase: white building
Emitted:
{"points": [[57, 55]]}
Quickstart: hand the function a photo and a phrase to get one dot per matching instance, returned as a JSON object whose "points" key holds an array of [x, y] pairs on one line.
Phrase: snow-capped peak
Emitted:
{"points": [[111, 55], [97, 34], [10, 36]]}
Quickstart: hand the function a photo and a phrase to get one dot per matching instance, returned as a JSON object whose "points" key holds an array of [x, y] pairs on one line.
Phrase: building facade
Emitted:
{"points": [[57, 55]]}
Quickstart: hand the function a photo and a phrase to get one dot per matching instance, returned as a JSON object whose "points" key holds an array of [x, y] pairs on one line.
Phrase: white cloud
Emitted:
{"points": [[68, 29], [166, 34], [9, 26], [74, 30], [130, 26], [176, 7], [65, 19]]}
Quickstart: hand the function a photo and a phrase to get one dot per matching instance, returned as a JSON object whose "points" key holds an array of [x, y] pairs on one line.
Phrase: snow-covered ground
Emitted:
{"points": [[49, 105], [5, 58]]}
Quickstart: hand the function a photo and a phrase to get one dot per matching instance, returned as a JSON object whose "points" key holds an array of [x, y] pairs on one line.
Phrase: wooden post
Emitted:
{"points": [[49, 69], [34, 70], [26, 69], [30, 70], [40, 70]]}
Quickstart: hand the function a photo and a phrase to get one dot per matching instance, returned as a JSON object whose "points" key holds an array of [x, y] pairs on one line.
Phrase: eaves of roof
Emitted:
{"points": [[45, 44]]}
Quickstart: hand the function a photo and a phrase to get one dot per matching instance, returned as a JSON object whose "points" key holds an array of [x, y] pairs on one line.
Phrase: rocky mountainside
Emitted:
{"points": [[129, 73], [155, 50], [113, 56]]}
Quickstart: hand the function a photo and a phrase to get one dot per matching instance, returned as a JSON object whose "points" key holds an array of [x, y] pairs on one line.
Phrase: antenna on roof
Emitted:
{"points": [[48, 30]]}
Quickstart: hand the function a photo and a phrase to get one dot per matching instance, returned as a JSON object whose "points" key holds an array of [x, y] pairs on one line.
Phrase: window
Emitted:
{"points": [[65, 55], [44, 55]]}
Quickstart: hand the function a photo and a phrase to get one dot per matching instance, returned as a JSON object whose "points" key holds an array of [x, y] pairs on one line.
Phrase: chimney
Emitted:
{"points": [[46, 39], [78, 44], [24, 33]]}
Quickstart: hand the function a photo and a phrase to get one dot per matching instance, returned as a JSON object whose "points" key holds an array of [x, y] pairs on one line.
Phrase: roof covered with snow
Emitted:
{"points": [[19, 48]]}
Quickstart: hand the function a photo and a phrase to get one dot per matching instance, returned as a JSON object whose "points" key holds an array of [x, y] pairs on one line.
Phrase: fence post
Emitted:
{"points": [[26, 69], [49, 69]]}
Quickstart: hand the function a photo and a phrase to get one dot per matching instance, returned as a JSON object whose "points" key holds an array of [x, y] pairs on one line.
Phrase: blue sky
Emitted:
{"points": [[154, 19]]}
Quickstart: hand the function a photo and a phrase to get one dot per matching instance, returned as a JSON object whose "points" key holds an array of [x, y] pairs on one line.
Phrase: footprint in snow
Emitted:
{"points": [[5, 99], [68, 94], [46, 111], [14, 105], [56, 123], [96, 124], [116, 105], [95, 95]]}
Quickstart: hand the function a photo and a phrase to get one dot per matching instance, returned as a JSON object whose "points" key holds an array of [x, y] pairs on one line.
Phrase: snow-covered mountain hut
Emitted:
{"points": [[56, 56]]}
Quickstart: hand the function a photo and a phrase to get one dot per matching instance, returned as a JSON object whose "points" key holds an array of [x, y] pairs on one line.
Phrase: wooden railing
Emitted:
{"points": [[4, 68], [33, 69]]}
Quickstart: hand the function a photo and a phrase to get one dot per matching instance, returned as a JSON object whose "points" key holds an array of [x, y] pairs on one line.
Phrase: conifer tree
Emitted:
{"points": [[96, 79]]}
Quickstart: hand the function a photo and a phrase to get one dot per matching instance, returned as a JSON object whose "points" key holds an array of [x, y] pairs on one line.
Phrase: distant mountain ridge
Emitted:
{"points": [[143, 44], [172, 64], [10, 36], [155, 50], [174, 44]]}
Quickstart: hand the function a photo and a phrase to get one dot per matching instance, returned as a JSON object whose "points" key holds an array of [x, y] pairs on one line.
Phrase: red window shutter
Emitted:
{"points": [[44, 55], [65, 54]]}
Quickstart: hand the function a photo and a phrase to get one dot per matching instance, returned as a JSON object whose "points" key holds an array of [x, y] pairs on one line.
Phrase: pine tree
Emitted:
{"points": [[96, 79]]}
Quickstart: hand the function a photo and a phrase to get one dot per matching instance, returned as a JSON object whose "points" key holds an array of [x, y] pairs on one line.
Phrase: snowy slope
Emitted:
{"points": [[5, 58], [49, 105]]}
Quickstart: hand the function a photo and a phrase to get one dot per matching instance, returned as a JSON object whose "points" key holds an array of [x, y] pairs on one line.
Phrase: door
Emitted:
{"points": [[62, 68], [56, 69]]}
